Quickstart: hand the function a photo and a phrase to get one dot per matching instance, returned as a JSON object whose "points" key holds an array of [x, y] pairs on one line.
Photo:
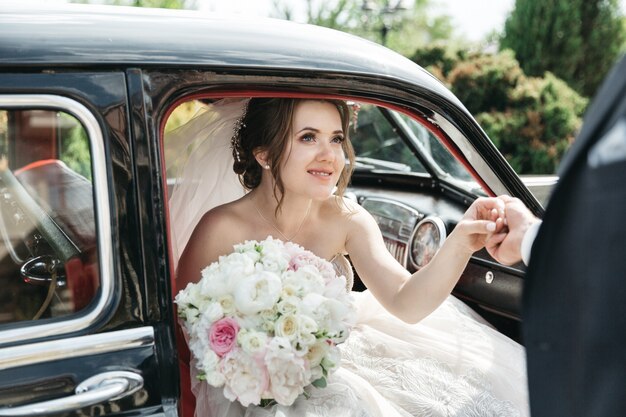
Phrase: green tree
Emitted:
{"points": [[577, 40], [532, 120], [162, 4], [402, 29]]}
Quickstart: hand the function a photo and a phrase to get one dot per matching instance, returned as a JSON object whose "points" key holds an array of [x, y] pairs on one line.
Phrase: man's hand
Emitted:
{"points": [[505, 246], [483, 218]]}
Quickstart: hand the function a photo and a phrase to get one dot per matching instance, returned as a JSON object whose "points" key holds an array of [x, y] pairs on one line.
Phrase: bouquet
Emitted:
{"points": [[264, 321]]}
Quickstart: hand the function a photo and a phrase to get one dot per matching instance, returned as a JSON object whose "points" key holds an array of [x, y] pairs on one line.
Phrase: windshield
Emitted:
{"points": [[378, 143]]}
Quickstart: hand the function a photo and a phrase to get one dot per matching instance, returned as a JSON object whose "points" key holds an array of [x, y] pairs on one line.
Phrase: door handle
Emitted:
{"points": [[107, 386], [40, 271]]}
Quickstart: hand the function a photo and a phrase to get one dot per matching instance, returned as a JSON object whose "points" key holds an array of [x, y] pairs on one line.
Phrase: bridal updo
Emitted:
{"points": [[266, 126]]}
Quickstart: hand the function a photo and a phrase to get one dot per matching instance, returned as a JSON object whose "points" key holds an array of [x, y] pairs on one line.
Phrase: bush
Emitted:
{"points": [[438, 59], [532, 120], [538, 125], [483, 82]]}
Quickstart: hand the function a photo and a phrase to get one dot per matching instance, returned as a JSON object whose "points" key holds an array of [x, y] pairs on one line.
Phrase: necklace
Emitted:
{"points": [[271, 223]]}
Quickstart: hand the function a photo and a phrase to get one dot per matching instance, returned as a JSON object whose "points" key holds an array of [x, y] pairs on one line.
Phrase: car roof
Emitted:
{"points": [[74, 35]]}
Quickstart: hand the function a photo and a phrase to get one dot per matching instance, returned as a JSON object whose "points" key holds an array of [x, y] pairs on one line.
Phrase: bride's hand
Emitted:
{"points": [[481, 220]]}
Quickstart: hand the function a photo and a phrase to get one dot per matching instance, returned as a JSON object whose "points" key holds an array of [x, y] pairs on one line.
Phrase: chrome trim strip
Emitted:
{"points": [[466, 147], [393, 202], [103, 225], [76, 347]]}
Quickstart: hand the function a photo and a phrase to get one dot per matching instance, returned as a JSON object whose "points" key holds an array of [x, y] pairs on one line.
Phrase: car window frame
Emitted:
{"points": [[27, 331]]}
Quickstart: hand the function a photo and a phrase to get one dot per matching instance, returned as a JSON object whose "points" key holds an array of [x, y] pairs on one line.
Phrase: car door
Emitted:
{"points": [[83, 330]]}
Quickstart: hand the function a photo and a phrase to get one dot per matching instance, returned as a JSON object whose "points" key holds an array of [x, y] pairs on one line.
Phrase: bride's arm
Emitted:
{"points": [[413, 297]]}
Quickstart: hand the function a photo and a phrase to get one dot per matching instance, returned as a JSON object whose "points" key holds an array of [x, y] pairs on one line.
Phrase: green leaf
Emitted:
{"points": [[319, 383]]}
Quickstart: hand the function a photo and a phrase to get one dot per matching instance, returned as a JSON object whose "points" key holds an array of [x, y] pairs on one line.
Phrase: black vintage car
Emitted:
{"points": [[87, 96]]}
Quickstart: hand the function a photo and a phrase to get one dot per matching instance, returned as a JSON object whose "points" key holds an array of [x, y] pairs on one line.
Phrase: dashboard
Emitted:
{"points": [[411, 237], [414, 226]]}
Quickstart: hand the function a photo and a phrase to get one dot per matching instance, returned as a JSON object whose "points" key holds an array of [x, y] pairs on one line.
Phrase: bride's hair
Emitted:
{"points": [[267, 126]]}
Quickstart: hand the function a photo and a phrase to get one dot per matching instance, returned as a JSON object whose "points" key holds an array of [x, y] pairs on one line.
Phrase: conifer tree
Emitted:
{"points": [[577, 40]]}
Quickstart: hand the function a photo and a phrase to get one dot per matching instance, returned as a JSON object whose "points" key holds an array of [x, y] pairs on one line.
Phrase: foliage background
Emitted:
{"points": [[579, 41], [527, 85]]}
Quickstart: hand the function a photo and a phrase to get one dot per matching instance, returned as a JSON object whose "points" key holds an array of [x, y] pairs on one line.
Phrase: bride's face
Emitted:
{"points": [[314, 157]]}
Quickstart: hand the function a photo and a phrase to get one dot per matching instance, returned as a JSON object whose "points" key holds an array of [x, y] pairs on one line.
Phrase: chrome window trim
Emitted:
{"points": [[83, 319], [76, 347], [394, 202], [465, 146]]}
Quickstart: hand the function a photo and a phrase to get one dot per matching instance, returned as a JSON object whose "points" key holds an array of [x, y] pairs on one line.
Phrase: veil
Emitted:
{"points": [[199, 153]]}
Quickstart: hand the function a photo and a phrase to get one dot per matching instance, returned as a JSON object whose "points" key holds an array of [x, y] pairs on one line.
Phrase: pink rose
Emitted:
{"points": [[223, 335]]}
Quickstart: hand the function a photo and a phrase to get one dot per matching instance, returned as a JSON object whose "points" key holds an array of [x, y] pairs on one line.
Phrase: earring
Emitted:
{"points": [[267, 166]]}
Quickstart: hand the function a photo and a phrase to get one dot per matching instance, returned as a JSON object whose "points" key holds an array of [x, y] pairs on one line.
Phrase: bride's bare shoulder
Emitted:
{"points": [[225, 217], [215, 234], [344, 207]]}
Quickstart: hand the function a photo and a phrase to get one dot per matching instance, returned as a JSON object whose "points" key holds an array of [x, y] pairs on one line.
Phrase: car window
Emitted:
{"points": [[48, 246], [378, 145], [435, 151], [381, 138], [376, 142]]}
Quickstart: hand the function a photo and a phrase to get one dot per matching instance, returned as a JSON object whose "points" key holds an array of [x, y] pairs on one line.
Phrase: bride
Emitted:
{"points": [[416, 350]]}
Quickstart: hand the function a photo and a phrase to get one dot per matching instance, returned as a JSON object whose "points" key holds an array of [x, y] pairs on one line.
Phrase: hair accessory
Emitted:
{"points": [[235, 141], [355, 113]]}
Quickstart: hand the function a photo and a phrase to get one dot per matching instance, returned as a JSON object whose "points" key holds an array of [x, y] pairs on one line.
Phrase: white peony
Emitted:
{"points": [[308, 279], [190, 314], [288, 304], [212, 312], [330, 315], [209, 365], [215, 378], [222, 280], [197, 347], [249, 249], [184, 297], [245, 378], [271, 247], [307, 324], [288, 373], [257, 292], [273, 260], [336, 288], [214, 284], [189, 302]]}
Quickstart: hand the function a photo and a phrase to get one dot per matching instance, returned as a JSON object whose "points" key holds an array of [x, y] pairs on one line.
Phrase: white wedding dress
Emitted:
{"points": [[452, 363]]}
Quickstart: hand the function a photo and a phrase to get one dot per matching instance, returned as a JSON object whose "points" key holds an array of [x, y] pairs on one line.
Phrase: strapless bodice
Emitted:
{"points": [[343, 267]]}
